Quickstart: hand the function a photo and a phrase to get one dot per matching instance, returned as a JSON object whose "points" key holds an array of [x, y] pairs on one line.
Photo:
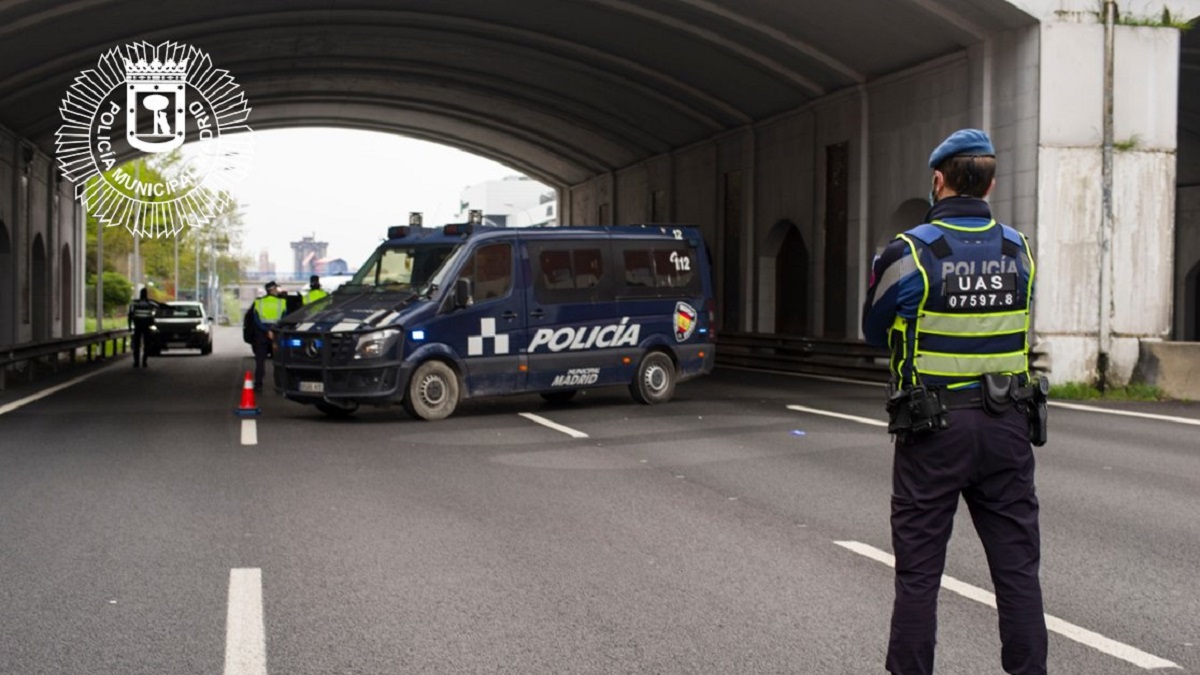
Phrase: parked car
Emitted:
{"points": [[180, 325]]}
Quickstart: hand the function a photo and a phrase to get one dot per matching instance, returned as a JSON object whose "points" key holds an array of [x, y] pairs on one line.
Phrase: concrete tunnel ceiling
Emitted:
{"points": [[560, 89]]}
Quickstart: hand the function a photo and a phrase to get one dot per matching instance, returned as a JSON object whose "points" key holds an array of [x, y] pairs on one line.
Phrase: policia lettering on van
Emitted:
{"points": [[436, 316]]}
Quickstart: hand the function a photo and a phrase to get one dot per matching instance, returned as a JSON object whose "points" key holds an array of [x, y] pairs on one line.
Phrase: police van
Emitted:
{"points": [[439, 315]]}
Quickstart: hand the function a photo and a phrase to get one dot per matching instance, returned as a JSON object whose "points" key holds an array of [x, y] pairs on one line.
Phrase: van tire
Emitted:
{"points": [[432, 392], [561, 396], [655, 380]]}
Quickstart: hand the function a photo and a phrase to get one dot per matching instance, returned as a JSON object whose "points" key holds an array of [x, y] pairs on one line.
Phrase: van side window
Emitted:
{"points": [[569, 272], [673, 267], [657, 269], [490, 271]]}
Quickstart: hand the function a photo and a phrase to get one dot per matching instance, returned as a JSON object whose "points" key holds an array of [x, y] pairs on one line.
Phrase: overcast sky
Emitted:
{"points": [[346, 187]]}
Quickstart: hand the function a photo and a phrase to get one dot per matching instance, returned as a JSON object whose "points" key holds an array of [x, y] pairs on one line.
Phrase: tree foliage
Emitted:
{"points": [[199, 250]]}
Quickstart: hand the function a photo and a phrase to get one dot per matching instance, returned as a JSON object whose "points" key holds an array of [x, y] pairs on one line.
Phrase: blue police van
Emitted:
{"points": [[439, 315]]}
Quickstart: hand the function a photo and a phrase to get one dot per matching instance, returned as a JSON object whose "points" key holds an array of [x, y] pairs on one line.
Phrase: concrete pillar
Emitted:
{"points": [[1070, 194]]}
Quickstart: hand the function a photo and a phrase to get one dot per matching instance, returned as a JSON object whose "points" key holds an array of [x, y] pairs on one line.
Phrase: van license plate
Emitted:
{"points": [[312, 387]]}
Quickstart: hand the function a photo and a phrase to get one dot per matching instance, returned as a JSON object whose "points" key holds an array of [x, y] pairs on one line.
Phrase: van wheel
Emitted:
{"points": [[655, 381], [561, 396], [432, 391], [337, 410]]}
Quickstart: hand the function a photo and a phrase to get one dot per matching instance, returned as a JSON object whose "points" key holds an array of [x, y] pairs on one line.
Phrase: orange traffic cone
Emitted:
{"points": [[248, 408]]}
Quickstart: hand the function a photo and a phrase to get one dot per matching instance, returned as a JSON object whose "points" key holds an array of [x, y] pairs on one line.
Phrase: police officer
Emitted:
{"points": [[141, 317], [260, 320], [951, 299], [315, 292]]}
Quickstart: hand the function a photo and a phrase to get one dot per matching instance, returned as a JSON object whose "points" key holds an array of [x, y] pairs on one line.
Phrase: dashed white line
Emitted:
{"points": [[245, 633], [249, 432], [1068, 630], [1126, 413], [844, 416], [573, 433]]}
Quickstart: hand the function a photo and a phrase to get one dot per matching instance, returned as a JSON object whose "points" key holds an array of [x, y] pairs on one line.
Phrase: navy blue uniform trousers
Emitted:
{"points": [[989, 461]]}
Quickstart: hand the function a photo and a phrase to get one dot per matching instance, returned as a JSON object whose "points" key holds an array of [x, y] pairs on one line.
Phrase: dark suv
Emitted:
{"points": [[180, 325]]}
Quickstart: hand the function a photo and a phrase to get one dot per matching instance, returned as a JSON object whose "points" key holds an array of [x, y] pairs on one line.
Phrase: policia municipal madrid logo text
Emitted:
{"points": [[145, 98]]}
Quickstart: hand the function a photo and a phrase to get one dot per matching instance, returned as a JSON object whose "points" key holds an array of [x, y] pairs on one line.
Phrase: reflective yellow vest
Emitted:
{"points": [[270, 309], [314, 295], [973, 317]]}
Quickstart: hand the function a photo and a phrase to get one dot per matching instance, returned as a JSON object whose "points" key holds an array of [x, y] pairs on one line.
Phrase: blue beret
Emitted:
{"points": [[962, 142]]}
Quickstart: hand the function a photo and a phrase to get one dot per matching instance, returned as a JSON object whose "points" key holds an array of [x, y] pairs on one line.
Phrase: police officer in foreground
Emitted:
{"points": [[315, 292], [950, 299], [259, 323], [141, 317]]}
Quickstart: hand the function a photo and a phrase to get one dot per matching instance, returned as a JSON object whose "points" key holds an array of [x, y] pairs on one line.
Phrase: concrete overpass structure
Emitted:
{"points": [[794, 134]]}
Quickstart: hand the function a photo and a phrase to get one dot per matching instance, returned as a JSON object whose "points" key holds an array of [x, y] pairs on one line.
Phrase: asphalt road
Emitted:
{"points": [[140, 536]]}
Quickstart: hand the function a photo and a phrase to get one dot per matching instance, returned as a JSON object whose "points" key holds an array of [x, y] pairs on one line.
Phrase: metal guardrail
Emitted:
{"points": [[54, 349], [814, 356]]}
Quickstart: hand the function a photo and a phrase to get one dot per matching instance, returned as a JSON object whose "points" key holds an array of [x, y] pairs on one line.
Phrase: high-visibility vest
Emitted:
{"points": [[270, 309], [973, 317], [314, 295]]}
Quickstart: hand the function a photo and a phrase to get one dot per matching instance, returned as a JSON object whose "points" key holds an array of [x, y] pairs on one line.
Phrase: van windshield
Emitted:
{"points": [[400, 268]]}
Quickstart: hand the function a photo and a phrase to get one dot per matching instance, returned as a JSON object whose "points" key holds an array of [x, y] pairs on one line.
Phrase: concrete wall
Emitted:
{"points": [[1038, 91], [890, 126], [1071, 200], [38, 207]]}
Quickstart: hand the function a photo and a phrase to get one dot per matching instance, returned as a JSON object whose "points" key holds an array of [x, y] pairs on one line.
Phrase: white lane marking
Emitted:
{"points": [[245, 633], [844, 416], [9, 407], [1070, 631], [553, 425], [249, 432], [1127, 413]]}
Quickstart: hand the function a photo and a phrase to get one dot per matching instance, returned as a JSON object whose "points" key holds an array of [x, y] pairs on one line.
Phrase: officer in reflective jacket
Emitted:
{"points": [[950, 299], [142, 313], [315, 292], [261, 319]]}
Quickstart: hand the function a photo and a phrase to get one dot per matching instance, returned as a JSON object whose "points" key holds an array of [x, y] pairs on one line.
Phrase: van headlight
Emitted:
{"points": [[376, 344]]}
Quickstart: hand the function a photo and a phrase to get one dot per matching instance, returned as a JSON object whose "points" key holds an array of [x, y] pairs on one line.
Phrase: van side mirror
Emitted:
{"points": [[462, 293]]}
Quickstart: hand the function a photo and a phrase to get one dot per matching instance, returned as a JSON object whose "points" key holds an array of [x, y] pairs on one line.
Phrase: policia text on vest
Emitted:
{"points": [[950, 300]]}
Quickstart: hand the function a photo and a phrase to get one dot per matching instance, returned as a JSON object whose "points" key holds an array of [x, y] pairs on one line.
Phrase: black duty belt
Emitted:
{"points": [[961, 399]]}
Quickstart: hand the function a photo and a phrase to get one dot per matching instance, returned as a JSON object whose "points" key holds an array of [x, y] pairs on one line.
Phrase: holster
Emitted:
{"points": [[999, 393], [914, 413], [1002, 392]]}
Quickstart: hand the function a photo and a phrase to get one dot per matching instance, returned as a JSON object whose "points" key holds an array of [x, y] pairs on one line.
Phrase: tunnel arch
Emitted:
{"points": [[907, 214], [1191, 305], [39, 283], [7, 291], [66, 304], [783, 265]]}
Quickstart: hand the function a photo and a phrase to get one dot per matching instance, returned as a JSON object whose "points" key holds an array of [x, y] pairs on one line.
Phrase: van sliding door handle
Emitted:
{"points": [[537, 313], [509, 315]]}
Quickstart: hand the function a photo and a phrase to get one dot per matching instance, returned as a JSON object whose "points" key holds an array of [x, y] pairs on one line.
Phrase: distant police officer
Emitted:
{"points": [[141, 317], [315, 292], [260, 322], [950, 299]]}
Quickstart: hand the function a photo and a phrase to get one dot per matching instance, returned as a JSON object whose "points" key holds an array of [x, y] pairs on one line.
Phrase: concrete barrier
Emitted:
{"points": [[1173, 367]]}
